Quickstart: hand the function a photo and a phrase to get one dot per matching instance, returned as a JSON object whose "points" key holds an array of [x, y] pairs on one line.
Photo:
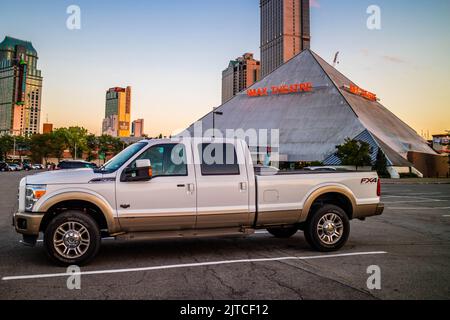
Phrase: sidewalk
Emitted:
{"points": [[416, 181]]}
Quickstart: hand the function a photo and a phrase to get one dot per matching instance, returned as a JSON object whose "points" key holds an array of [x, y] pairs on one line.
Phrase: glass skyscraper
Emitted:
{"points": [[20, 88]]}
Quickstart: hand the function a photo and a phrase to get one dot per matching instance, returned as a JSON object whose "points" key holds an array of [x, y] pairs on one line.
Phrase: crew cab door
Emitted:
{"points": [[222, 185], [168, 200]]}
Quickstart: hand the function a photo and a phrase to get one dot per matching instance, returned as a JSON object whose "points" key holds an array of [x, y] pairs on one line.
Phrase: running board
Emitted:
{"points": [[185, 234]]}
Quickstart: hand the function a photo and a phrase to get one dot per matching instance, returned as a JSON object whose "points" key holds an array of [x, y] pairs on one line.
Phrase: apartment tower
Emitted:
{"points": [[240, 74]]}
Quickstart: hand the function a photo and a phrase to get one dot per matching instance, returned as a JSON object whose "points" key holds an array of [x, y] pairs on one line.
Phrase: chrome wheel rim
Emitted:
{"points": [[330, 228], [71, 240]]}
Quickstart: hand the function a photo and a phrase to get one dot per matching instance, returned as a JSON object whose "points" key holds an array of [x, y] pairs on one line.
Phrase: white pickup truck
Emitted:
{"points": [[188, 188]]}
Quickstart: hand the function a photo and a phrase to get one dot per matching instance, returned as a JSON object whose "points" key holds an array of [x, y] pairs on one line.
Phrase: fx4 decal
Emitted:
{"points": [[369, 180]]}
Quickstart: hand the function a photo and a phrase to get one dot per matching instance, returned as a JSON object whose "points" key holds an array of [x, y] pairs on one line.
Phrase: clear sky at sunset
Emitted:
{"points": [[172, 54]]}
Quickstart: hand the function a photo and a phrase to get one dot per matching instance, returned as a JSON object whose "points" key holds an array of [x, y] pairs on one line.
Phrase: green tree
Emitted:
{"points": [[381, 164], [92, 144], [109, 146], [59, 142], [76, 141], [42, 147], [23, 144], [354, 153], [6, 145]]}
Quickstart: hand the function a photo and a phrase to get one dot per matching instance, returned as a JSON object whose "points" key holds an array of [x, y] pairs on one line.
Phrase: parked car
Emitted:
{"points": [[14, 167], [323, 169], [170, 189], [75, 164], [265, 170], [27, 167], [38, 166], [4, 167]]}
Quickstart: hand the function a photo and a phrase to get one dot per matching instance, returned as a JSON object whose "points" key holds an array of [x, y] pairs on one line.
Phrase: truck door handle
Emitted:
{"points": [[181, 185], [243, 186]]}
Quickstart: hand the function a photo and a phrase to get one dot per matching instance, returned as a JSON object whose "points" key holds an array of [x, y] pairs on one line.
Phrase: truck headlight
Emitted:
{"points": [[32, 194]]}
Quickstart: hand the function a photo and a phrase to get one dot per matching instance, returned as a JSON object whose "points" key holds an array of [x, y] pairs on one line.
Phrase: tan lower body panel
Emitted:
{"points": [[278, 217], [157, 222], [167, 222], [223, 219], [367, 210]]}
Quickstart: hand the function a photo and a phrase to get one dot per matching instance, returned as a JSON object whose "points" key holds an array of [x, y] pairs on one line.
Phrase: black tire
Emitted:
{"points": [[320, 215], [86, 252], [283, 233]]}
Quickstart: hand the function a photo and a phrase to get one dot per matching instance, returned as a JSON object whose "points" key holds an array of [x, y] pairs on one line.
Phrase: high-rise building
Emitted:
{"points": [[240, 74], [20, 88], [117, 112], [137, 128], [285, 31]]}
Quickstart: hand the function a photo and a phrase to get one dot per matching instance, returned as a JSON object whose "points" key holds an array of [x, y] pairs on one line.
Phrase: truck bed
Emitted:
{"points": [[282, 196]]}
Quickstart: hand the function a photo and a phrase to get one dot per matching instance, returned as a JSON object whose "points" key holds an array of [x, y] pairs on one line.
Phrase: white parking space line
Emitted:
{"points": [[189, 265]]}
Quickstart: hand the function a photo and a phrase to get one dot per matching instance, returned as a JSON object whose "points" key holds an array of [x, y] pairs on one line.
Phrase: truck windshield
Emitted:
{"points": [[118, 161]]}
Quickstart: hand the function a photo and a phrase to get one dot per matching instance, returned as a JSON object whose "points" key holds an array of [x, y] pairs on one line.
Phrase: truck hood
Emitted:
{"points": [[77, 176]]}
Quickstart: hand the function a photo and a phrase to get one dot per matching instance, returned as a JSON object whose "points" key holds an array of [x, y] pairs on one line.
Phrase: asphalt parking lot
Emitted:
{"points": [[410, 243]]}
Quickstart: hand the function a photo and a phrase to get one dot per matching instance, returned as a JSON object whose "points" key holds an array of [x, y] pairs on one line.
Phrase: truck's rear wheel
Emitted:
{"points": [[327, 229], [72, 238], [283, 233]]}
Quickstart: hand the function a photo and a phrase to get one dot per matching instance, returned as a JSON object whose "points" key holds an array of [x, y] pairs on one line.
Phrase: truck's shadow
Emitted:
{"points": [[128, 254], [198, 250]]}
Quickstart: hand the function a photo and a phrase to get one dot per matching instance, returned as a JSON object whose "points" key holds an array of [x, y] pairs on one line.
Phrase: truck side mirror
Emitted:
{"points": [[142, 172]]}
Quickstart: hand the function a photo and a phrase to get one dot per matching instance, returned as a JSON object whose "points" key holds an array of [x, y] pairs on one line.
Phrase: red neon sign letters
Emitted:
{"points": [[361, 92], [283, 89]]}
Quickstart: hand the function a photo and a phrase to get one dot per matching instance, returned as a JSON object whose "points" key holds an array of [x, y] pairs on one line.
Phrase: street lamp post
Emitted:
{"points": [[214, 120], [14, 141], [14, 147]]}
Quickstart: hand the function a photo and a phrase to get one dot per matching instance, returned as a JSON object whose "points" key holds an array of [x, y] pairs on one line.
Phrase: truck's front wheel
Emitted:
{"points": [[72, 238], [327, 229]]}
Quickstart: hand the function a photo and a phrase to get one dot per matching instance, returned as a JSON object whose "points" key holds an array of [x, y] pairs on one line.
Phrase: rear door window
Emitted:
{"points": [[218, 159]]}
